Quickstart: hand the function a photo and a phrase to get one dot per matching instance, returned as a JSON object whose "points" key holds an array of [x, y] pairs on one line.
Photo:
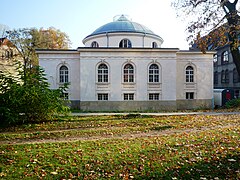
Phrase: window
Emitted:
{"points": [[223, 76], [153, 96], [103, 97], [128, 73], [102, 73], [215, 58], [225, 57], [215, 77], [63, 72], [154, 45], [227, 76], [189, 74], [153, 73], [128, 96], [94, 44], [125, 43], [236, 78], [189, 95]]}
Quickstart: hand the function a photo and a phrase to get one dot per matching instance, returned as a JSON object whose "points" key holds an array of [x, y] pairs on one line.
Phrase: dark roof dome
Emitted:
{"points": [[122, 24]]}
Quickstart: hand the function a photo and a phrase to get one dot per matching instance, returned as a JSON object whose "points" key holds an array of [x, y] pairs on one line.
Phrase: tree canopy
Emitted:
{"points": [[215, 20], [27, 40]]}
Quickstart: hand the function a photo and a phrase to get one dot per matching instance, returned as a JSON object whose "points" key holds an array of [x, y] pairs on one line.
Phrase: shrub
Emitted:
{"points": [[233, 103], [28, 99]]}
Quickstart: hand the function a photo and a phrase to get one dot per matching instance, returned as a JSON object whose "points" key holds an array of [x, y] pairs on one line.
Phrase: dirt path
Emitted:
{"points": [[112, 136]]}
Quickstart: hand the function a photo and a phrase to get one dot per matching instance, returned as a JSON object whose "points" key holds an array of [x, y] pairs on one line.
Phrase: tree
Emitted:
{"points": [[215, 20], [29, 102], [28, 40]]}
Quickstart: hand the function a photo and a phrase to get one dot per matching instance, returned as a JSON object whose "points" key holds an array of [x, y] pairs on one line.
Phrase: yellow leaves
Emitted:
{"points": [[54, 173]]}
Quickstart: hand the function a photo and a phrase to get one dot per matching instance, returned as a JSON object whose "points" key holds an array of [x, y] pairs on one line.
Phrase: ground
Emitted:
{"points": [[124, 146]]}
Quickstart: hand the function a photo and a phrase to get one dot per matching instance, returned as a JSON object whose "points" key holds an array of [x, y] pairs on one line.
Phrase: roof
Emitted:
{"points": [[122, 24]]}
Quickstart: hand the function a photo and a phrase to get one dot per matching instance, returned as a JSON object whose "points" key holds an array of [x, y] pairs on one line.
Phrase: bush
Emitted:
{"points": [[28, 99], [233, 103]]}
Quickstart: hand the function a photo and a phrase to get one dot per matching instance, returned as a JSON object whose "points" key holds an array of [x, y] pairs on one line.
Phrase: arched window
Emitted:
{"points": [[154, 45], [235, 76], [102, 73], [128, 73], [225, 57], [94, 44], [189, 74], [63, 74], [153, 73], [125, 43]]}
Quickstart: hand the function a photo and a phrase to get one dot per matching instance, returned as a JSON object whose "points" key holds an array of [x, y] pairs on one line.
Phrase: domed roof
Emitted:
{"points": [[122, 24]]}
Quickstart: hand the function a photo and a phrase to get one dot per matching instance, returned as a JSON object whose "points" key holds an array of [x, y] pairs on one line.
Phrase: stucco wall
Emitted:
{"points": [[138, 40]]}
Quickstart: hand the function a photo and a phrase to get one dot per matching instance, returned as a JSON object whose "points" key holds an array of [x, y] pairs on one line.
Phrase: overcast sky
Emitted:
{"points": [[79, 18]]}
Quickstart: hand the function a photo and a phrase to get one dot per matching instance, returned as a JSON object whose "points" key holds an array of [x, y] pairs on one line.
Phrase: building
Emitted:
{"points": [[225, 72], [123, 68], [8, 57]]}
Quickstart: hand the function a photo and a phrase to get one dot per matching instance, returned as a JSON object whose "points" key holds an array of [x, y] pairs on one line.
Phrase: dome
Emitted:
{"points": [[122, 24]]}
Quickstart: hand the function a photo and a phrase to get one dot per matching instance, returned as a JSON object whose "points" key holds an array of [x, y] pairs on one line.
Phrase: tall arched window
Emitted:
{"points": [[189, 74], [94, 44], [153, 73], [154, 45], [63, 74], [125, 43], [128, 73], [102, 73], [225, 57]]}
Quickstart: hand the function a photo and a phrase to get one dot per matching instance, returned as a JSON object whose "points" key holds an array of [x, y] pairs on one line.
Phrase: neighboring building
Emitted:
{"points": [[225, 72], [8, 56], [123, 67]]}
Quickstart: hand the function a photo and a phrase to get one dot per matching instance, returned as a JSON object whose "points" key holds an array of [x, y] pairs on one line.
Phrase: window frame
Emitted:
{"points": [[154, 96], [225, 57], [103, 97], [128, 73], [153, 74], [190, 95], [125, 43], [63, 74], [102, 73], [128, 96], [154, 45], [94, 44], [189, 74]]}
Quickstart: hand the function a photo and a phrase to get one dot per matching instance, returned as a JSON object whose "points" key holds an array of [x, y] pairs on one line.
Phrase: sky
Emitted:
{"points": [[79, 18]]}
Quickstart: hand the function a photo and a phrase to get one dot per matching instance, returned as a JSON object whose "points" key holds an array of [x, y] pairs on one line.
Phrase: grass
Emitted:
{"points": [[183, 147]]}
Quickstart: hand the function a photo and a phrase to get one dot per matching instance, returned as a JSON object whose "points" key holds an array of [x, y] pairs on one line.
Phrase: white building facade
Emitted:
{"points": [[123, 68]]}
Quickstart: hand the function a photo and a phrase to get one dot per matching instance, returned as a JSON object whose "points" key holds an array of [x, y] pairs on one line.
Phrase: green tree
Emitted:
{"points": [[28, 102], [216, 20]]}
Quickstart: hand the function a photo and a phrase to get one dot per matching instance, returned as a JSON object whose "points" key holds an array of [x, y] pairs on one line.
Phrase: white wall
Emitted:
{"points": [[51, 62], [139, 40]]}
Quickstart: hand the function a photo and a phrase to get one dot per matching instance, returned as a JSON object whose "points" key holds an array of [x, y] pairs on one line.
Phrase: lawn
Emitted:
{"points": [[123, 147]]}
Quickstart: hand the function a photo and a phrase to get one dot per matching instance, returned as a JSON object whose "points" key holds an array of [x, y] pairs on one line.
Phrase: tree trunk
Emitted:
{"points": [[233, 21]]}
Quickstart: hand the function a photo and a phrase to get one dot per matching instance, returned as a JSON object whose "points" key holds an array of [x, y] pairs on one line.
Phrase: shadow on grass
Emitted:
{"points": [[225, 168]]}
